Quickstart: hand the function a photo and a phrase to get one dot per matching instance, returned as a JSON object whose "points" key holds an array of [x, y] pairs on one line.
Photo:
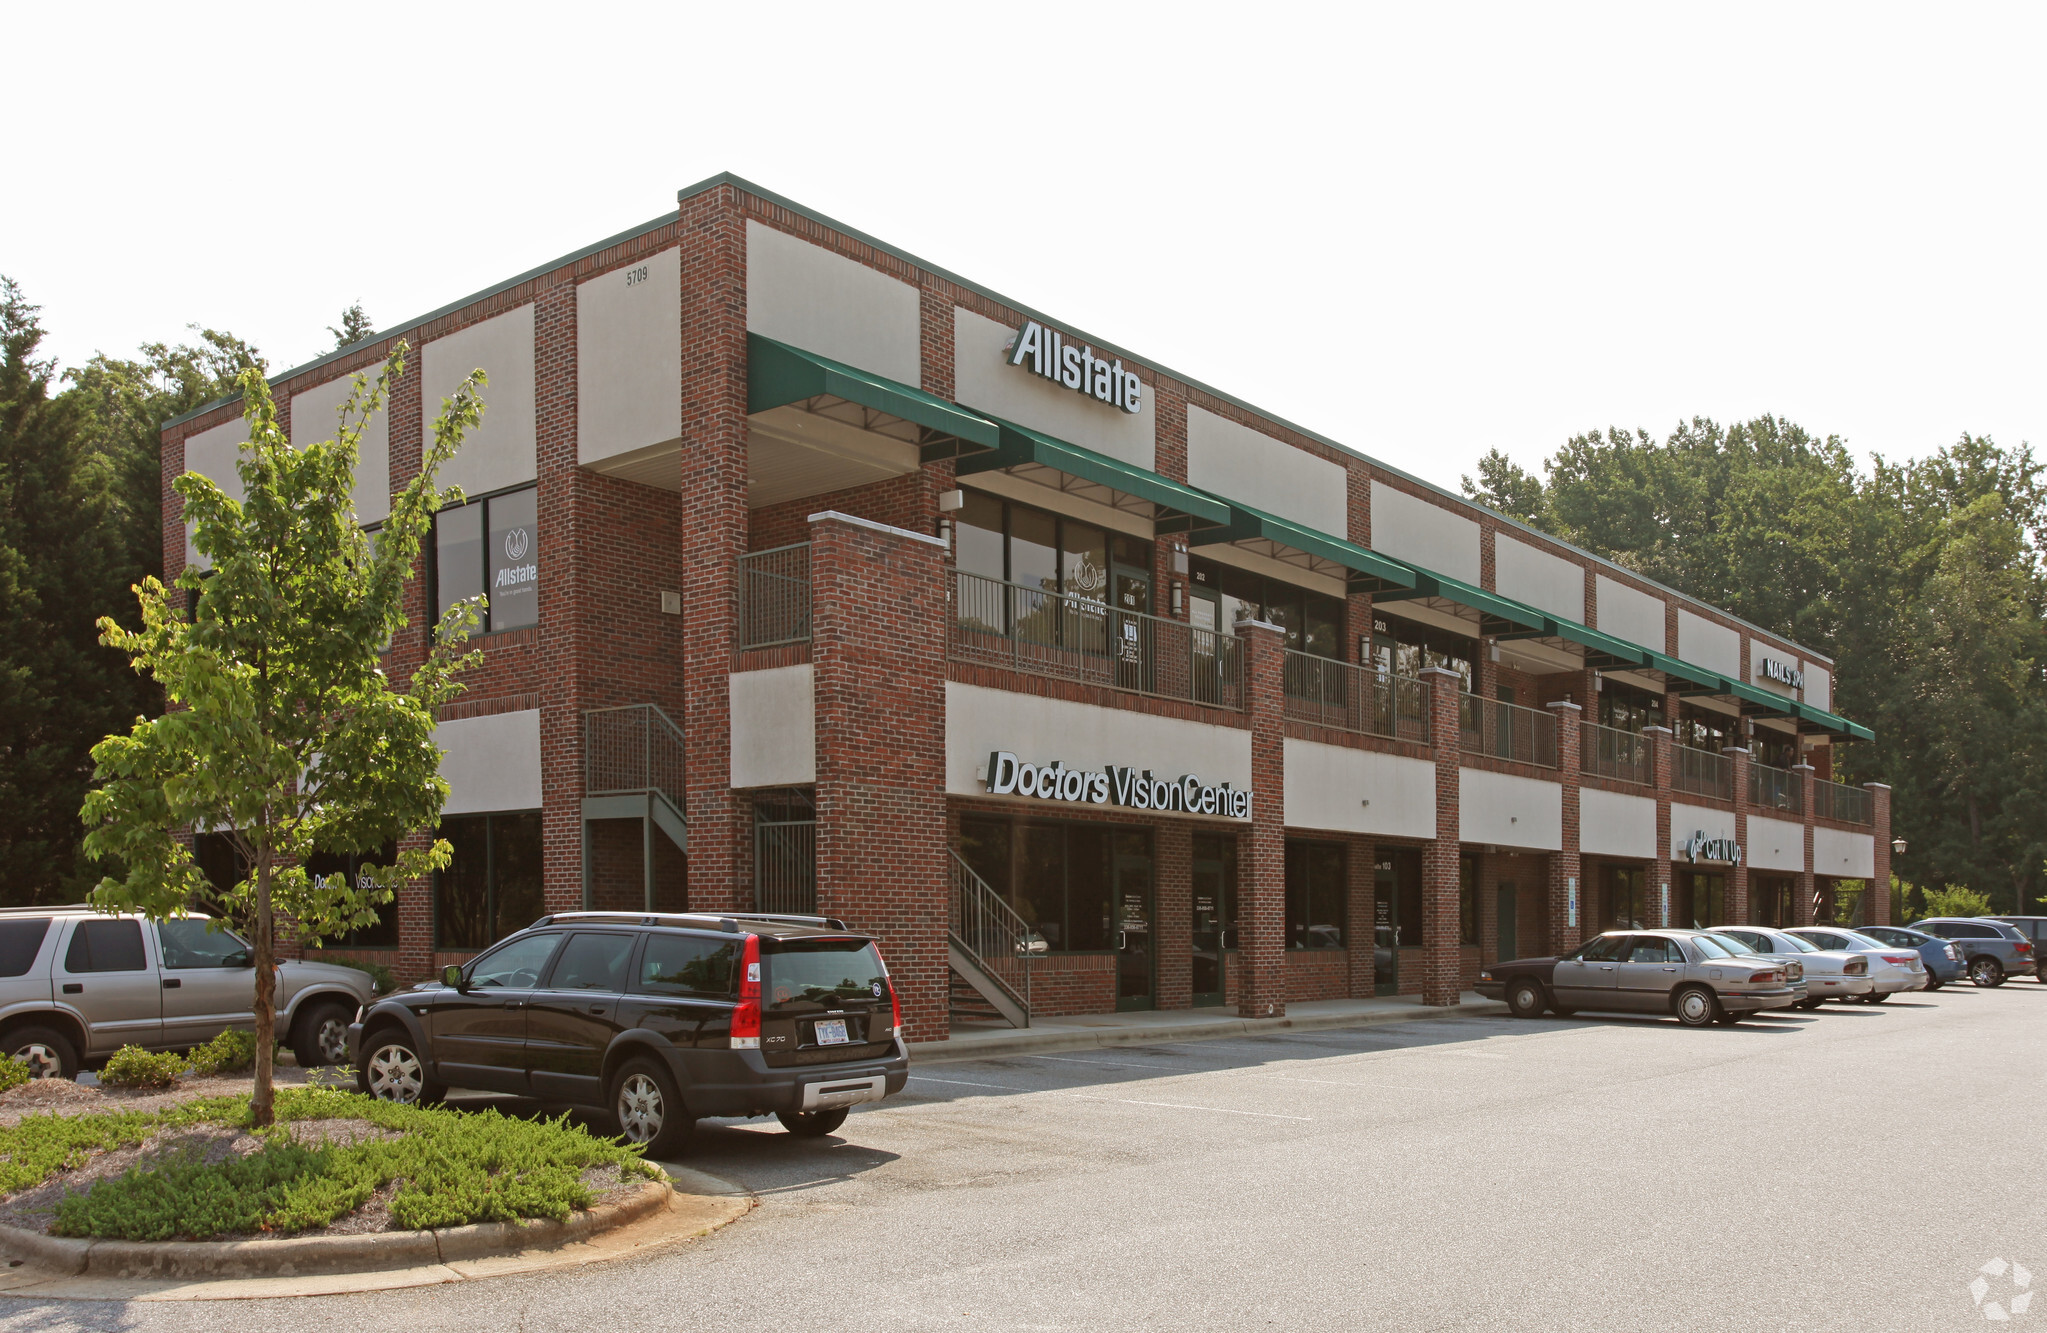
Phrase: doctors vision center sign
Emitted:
{"points": [[1139, 790], [1047, 352]]}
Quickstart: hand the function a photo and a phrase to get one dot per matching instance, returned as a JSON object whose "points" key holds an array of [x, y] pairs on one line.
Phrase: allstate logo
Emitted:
{"points": [[2021, 1296], [516, 543]]}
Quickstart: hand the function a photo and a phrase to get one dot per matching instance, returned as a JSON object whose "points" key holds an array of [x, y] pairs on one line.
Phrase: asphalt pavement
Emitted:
{"points": [[1855, 1168]]}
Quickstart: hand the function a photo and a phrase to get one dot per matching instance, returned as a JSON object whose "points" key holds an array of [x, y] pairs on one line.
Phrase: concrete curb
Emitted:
{"points": [[315, 1256], [1032, 1041]]}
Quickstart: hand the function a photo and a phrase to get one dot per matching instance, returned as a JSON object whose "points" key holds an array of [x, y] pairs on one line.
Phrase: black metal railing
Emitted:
{"points": [[1077, 638], [1772, 788], [1348, 697], [1508, 731], [1849, 805], [774, 596], [637, 748], [1610, 752], [1701, 772]]}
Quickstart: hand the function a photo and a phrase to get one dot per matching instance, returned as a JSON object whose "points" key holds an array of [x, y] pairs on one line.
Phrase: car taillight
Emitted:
{"points": [[1762, 977], [1855, 967], [1901, 959], [746, 1019], [895, 1000], [2024, 947]]}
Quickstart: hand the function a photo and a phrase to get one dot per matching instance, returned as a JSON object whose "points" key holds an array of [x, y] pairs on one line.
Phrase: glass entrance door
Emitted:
{"points": [[1214, 911], [1134, 955], [1385, 929]]}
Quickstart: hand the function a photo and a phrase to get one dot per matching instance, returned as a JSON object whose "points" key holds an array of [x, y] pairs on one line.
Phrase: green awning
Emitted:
{"points": [[1604, 651], [1496, 614], [1699, 679], [1176, 507], [1840, 726], [1753, 697], [1364, 570], [778, 375]]}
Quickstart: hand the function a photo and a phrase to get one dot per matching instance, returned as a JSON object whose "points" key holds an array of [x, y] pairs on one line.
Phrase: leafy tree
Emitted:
{"points": [[1506, 488], [355, 326], [1951, 901], [284, 731]]}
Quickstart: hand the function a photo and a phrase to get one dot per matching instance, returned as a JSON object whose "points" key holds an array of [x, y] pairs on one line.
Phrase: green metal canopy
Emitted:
{"points": [[778, 375], [1700, 680], [1176, 507], [1364, 570], [1497, 615], [1602, 650], [1759, 700], [1840, 726]]}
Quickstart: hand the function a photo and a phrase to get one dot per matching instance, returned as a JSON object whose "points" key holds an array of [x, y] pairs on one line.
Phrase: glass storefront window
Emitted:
{"points": [[1315, 894], [1413, 647], [383, 934], [1703, 730], [492, 887], [1625, 708], [1040, 550], [978, 536], [1060, 878], [1313, 621], [1625, 907], [490, 547]]}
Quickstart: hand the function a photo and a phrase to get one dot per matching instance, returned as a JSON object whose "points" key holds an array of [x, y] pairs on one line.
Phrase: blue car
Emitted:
{"points": [[1944, 962]]}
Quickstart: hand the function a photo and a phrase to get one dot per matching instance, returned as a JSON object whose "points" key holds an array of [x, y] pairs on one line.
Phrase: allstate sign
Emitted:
{"points": [[1114, 785]]}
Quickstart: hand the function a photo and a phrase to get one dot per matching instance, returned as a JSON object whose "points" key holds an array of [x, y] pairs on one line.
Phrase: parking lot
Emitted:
{"points": [[1851, 1168]]}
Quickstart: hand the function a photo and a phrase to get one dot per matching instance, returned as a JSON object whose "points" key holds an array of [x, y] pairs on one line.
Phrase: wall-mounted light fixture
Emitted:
{"points": [[1177, 595]]}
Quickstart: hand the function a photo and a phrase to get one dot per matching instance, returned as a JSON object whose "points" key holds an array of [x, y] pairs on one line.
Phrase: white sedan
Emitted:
{"points": [[1891, 969], [1830, 974]]}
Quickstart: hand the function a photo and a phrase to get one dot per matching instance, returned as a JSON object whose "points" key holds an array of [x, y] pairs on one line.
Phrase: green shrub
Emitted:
{"points": [[133, 1067], [229, 1053], [1952, 900], [13, 1073], [452, 1167]]}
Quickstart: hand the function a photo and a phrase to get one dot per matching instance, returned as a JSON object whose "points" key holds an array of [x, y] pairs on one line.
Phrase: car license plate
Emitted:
{"points": [[832, 1032]]}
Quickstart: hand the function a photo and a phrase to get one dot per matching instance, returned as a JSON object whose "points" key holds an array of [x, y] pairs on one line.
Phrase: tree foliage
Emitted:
{"points": [[1922, 580], [355, 326], [283, 731]]}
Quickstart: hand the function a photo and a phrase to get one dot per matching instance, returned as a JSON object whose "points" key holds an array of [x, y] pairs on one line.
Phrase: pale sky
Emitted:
{"points": [[1422, 230]]}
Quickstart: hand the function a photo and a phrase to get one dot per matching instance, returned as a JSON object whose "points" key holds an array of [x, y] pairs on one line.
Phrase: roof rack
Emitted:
{"points": [[46, 911], [723, 920]]}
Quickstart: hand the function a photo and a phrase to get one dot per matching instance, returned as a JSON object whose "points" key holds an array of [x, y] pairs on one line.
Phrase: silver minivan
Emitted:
{"points": [[76, 985]]}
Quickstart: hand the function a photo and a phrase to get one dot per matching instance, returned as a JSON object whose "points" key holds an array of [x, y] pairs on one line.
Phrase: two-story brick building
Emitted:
{"points": [[823, 580]]}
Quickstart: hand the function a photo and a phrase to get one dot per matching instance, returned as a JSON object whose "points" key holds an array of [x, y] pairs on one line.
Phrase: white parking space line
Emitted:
{"points": [[1182, 1106], [1069, 1060], [1005, 1087]]}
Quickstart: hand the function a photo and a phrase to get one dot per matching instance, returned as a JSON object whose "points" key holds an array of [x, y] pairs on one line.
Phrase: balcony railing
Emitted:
{"points": [[1701, 772], [1347, 697], [1613, 753], [633, 749], [1076, 638], [1508, 731], [774, 596], [1831, 800], [1771, 788]]}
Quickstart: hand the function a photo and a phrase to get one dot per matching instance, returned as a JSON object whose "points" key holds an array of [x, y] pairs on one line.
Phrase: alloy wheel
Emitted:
{"points": [[42, 1062], [640, 1111], [394, 1075], [332, 1039]]}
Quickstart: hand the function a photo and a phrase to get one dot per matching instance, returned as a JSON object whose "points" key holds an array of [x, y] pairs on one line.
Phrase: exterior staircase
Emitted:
{"points": [[984, 927]]}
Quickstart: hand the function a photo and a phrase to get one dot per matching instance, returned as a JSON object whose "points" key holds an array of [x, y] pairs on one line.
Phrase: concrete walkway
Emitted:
{"points": [[978, 1041]]}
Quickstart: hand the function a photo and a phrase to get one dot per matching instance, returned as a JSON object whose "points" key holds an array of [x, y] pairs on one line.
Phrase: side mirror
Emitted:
{"points": [[451, 976], [240, 958]]}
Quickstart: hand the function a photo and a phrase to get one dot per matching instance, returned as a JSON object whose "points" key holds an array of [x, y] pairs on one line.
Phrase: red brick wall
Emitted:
{"points": [[1261, 859]]}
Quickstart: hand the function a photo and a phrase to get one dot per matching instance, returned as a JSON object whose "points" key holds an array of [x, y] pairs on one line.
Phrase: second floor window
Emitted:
{"points": [[490, 547]]}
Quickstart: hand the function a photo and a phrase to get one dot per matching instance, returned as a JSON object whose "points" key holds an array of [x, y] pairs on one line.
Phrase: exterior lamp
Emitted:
{"points": [[1898, 846]]}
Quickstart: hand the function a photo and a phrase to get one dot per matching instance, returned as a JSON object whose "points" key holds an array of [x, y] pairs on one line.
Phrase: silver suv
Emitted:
{"points": [[76, 985]]}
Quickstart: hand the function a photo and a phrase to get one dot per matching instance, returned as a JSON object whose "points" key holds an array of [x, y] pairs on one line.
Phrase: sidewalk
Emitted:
{"points": [[977, 1041]]}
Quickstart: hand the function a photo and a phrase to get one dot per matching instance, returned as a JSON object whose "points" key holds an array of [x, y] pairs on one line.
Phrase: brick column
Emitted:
{"points": [[1801, 897], [1361, 874], [1738, 759], [1566, 870], [1658, 907], [712, 536], [1261, 861], [1442, 961], [878, 654], [1173, 927], [1876, 910]]}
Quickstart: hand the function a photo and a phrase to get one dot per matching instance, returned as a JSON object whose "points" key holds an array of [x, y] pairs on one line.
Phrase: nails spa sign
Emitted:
{"points": [[1138, 790]]}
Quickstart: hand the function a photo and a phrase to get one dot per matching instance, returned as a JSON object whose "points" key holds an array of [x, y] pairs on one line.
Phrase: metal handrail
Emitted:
{"points": [[1837, 801], [988, 926], [634, 748], [1055, 634], [774, 596], [1610, 752], [1773, 788], [1507, 731], [1701, 772], [1349, 697]]}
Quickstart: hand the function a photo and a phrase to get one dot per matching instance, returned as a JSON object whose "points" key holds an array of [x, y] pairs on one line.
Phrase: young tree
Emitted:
{"points": [[283, 730], [355, 326]]}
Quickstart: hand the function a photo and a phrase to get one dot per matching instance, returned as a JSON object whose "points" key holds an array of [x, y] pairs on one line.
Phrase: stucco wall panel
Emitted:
{"points": [[1838, 852], [1433, 536], [491, 762], [500, 451], [1775, 844], [1250, 466], [774, 727], [315, 416], [1629, 613], [1704, 643], [1614, 824], [1359, 791], [984, 379], [1509, 811], [629, 358], [979, 720], [809, 297], [1536, 577]]}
